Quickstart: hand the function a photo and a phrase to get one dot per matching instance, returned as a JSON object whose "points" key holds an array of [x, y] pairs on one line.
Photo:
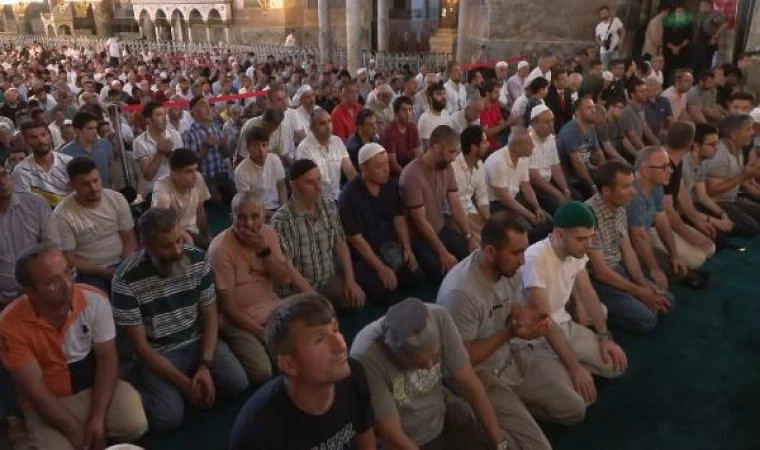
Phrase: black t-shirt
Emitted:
{"points": [[362, 213], [270, 420], [675, 180]]}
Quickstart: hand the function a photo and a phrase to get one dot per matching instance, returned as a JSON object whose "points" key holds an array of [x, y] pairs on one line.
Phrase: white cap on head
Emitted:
{"points": [[361, 71], [755, 115], [608, 76], [369, 151], [538, 110], [502, 65], [523, 64]]}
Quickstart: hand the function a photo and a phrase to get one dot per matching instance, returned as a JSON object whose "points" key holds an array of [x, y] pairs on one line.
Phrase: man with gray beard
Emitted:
{"points": [[165, 302]]}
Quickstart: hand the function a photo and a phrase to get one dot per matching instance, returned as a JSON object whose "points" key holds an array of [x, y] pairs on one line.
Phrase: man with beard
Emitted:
{"points": [[12, 104], [554, 269], [165, 301], [17, 211], [401, 137], [436, 115], [321, 399], [483, 294], [429, 190], [97, 229], [44, 171], [59, 347]]}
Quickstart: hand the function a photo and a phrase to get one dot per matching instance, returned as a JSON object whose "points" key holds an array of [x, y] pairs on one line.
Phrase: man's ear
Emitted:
{"points": [[287, 365]]}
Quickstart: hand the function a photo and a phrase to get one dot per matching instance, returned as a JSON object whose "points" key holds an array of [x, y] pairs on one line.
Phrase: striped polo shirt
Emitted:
{"points": [[168, 307], [65, 356]]}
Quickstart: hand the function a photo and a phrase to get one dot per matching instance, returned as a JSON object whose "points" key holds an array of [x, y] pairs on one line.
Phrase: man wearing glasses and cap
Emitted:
{"points": [[404, 355]]}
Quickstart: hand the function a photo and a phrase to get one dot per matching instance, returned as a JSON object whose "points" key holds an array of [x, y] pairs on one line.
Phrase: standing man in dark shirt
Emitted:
{"points": [[321, 400], [559, 100]]}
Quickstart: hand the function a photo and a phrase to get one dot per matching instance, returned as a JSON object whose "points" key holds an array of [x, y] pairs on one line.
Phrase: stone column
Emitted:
{"points": [[227, 33], [325, 32], [383, 20], [158, 32], [103, 19], [208, 32], [462, 23], [173, 32], [353, 35]]}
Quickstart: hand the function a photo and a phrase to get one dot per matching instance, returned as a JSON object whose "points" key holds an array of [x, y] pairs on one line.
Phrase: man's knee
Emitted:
{"points": [[166, 416], [132, 422], [568, 411], [231, 379]]}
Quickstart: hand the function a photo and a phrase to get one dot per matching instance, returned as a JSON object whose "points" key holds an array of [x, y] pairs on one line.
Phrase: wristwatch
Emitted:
{"points": [[606, 336], [205, 362], [264, 253]]}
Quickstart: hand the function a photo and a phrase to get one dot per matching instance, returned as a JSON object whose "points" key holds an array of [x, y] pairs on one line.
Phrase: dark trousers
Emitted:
{"points": [[584, 189], [367, 278], [428, 258], [745, 214], [221, 188], [550, 203], [535, 232]]}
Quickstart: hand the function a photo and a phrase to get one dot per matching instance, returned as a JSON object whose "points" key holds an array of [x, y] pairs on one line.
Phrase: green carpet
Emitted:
{"points": [[692, 384]]}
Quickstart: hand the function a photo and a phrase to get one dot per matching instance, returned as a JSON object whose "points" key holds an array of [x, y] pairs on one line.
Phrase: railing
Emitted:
{"points": [[433, 61]]}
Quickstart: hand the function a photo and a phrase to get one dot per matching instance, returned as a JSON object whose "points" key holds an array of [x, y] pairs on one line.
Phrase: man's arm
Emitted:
{"points": [[610, 151], [209, 331], [696, 113], [700, 190], [201, 220], [29, 382], [149, 166], [154, 360], [559, 179], [361, 245], [540, 182], [426, 230], [606, 275], [717, 186], [402, 231], [677, 224], [348, 168], [458, 214], [389, 428], [664, 230], [106, 376], [128, 242], [585, 293], [530, 196], [282, 192], [84, 266], [634, 139], [510, 203], [643, 247], [236, 316], [365, 441], [576, 161], [475, 394], [539, 297], [650, 136]]}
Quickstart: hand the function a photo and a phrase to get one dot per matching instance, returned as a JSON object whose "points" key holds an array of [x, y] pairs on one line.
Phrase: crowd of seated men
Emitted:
{"points": [[539, 220]]}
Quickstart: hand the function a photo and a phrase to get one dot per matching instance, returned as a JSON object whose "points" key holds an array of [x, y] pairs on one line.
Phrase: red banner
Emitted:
{"points": [[186, 103]]}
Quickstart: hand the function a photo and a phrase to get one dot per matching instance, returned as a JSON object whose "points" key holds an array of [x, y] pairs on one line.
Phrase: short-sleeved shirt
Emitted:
{"points": [[329, 160], [65, 356], [344, 120], [479, 306], [611, 226], [52, 185], [261, 179], [677, 101], [308, 242], [28, 221], [572, 140], [503, 173], [168, 307], [725, 164], [402, 144], [166, 195], [698, 97], [101, 153], [490, 117], [656, 112], [145, 147], [429, 122], [242, 274], [423, 186], [633, 119], [371, 216], [93, 233], [612, 132], [642, 209], [354, 144], [544, 155], [416, 396], [544, 270], [270, 421]]}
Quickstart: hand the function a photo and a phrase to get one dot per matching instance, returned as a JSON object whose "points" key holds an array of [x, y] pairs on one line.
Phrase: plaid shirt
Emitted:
{"points": [[308, 241], [213, 164], [610, 227]]}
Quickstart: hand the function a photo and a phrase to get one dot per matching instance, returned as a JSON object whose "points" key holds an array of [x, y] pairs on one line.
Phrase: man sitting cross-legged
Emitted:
{"points": [[58, 344], [405, 354], [96, 225], [248, 262], [555, 269], [321, 399], [164, 300], [312, 238], [372, 215], [184, 190]]}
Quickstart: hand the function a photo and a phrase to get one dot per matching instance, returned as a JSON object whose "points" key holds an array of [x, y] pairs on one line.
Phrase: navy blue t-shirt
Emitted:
{"points": [[572, 140], [372, 217], [270, 421]]}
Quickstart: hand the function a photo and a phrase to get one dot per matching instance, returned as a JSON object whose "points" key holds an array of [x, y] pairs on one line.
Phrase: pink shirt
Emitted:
{"points": [[677, 101], [241, 273]]}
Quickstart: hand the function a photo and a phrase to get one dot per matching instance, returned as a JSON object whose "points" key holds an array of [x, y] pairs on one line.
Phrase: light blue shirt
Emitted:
{"points": [[101, 154]]}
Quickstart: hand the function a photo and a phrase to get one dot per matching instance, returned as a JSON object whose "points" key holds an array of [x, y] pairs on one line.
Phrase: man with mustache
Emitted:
{"points": [[164, 299], [436, 115]]}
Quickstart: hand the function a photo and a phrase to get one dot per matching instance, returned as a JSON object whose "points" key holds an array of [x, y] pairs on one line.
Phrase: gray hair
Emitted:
{"points": [[24, 276], [385, 88], [157, 221], [645, 155], [243, 198]]}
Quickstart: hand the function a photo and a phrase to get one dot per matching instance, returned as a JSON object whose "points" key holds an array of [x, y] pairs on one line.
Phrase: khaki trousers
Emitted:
{"points": [[249, 350], [694, 257], [125, 420]]}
